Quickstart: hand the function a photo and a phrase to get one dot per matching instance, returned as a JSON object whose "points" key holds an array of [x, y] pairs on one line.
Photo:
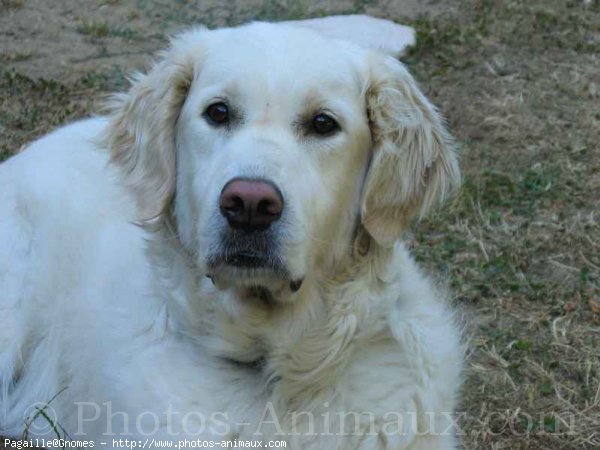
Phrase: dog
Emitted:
{"points": [[219, 259]]}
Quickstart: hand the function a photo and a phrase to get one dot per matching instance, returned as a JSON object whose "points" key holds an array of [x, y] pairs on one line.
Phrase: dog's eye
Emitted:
{"points": [[217, 113], [324, 125]]}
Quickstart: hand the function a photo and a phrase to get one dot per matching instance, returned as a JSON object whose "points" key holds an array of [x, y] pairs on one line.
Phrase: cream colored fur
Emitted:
{"points": [[103, 294]]}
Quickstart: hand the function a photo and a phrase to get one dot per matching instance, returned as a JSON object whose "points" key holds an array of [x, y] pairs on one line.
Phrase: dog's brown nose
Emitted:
{"points": [[251, 205]]}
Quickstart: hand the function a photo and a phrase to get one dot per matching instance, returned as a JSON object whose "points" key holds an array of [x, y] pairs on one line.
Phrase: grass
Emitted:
{"points": [[15, 56], [42, 419], [94, 28], [29, 107], [6, 4], [102, 29], [520, 245]]}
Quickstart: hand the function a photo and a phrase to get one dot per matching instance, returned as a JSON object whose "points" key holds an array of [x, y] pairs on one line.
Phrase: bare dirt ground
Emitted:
{"points": [[519, 82]]}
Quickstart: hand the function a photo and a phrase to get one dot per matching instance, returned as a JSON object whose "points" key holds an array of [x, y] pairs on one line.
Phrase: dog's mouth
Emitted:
{"points": [[244, 260], [243, 270], [247, 266], [247, 259], [251, 261], [259, 273]]}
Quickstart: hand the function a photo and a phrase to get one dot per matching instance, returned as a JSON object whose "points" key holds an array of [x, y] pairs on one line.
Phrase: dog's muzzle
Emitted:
{"points": [[249, 242]]}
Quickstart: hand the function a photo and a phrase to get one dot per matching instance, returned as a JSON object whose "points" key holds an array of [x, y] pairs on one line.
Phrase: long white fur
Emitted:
{"points": [[369, 32], [96, 308]]}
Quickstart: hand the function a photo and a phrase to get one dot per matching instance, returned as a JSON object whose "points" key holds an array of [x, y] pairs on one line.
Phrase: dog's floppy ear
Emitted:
{"points": [[141, 133], [414, 165]]}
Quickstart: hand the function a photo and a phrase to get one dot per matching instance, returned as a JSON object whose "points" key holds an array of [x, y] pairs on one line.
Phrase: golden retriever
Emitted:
{"points": [[219, 261]]}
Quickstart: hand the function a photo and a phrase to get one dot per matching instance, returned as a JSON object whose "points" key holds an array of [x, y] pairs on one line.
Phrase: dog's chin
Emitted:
{"points": [[247, 271], [227, 276]]}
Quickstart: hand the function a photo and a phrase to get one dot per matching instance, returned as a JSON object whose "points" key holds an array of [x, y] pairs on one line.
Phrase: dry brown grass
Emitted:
{"points": [[520, 245]]}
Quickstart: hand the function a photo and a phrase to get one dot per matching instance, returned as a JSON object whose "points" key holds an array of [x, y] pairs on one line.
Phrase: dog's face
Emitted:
{"points": [[275, 145], [273, 142]]}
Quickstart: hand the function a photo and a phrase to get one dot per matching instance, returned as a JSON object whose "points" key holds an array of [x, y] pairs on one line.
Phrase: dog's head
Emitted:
{"points": [[272, 146]]}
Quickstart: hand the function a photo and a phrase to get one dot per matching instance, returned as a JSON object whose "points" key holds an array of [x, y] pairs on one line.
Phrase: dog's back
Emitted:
{"points": [[56, 198]]}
